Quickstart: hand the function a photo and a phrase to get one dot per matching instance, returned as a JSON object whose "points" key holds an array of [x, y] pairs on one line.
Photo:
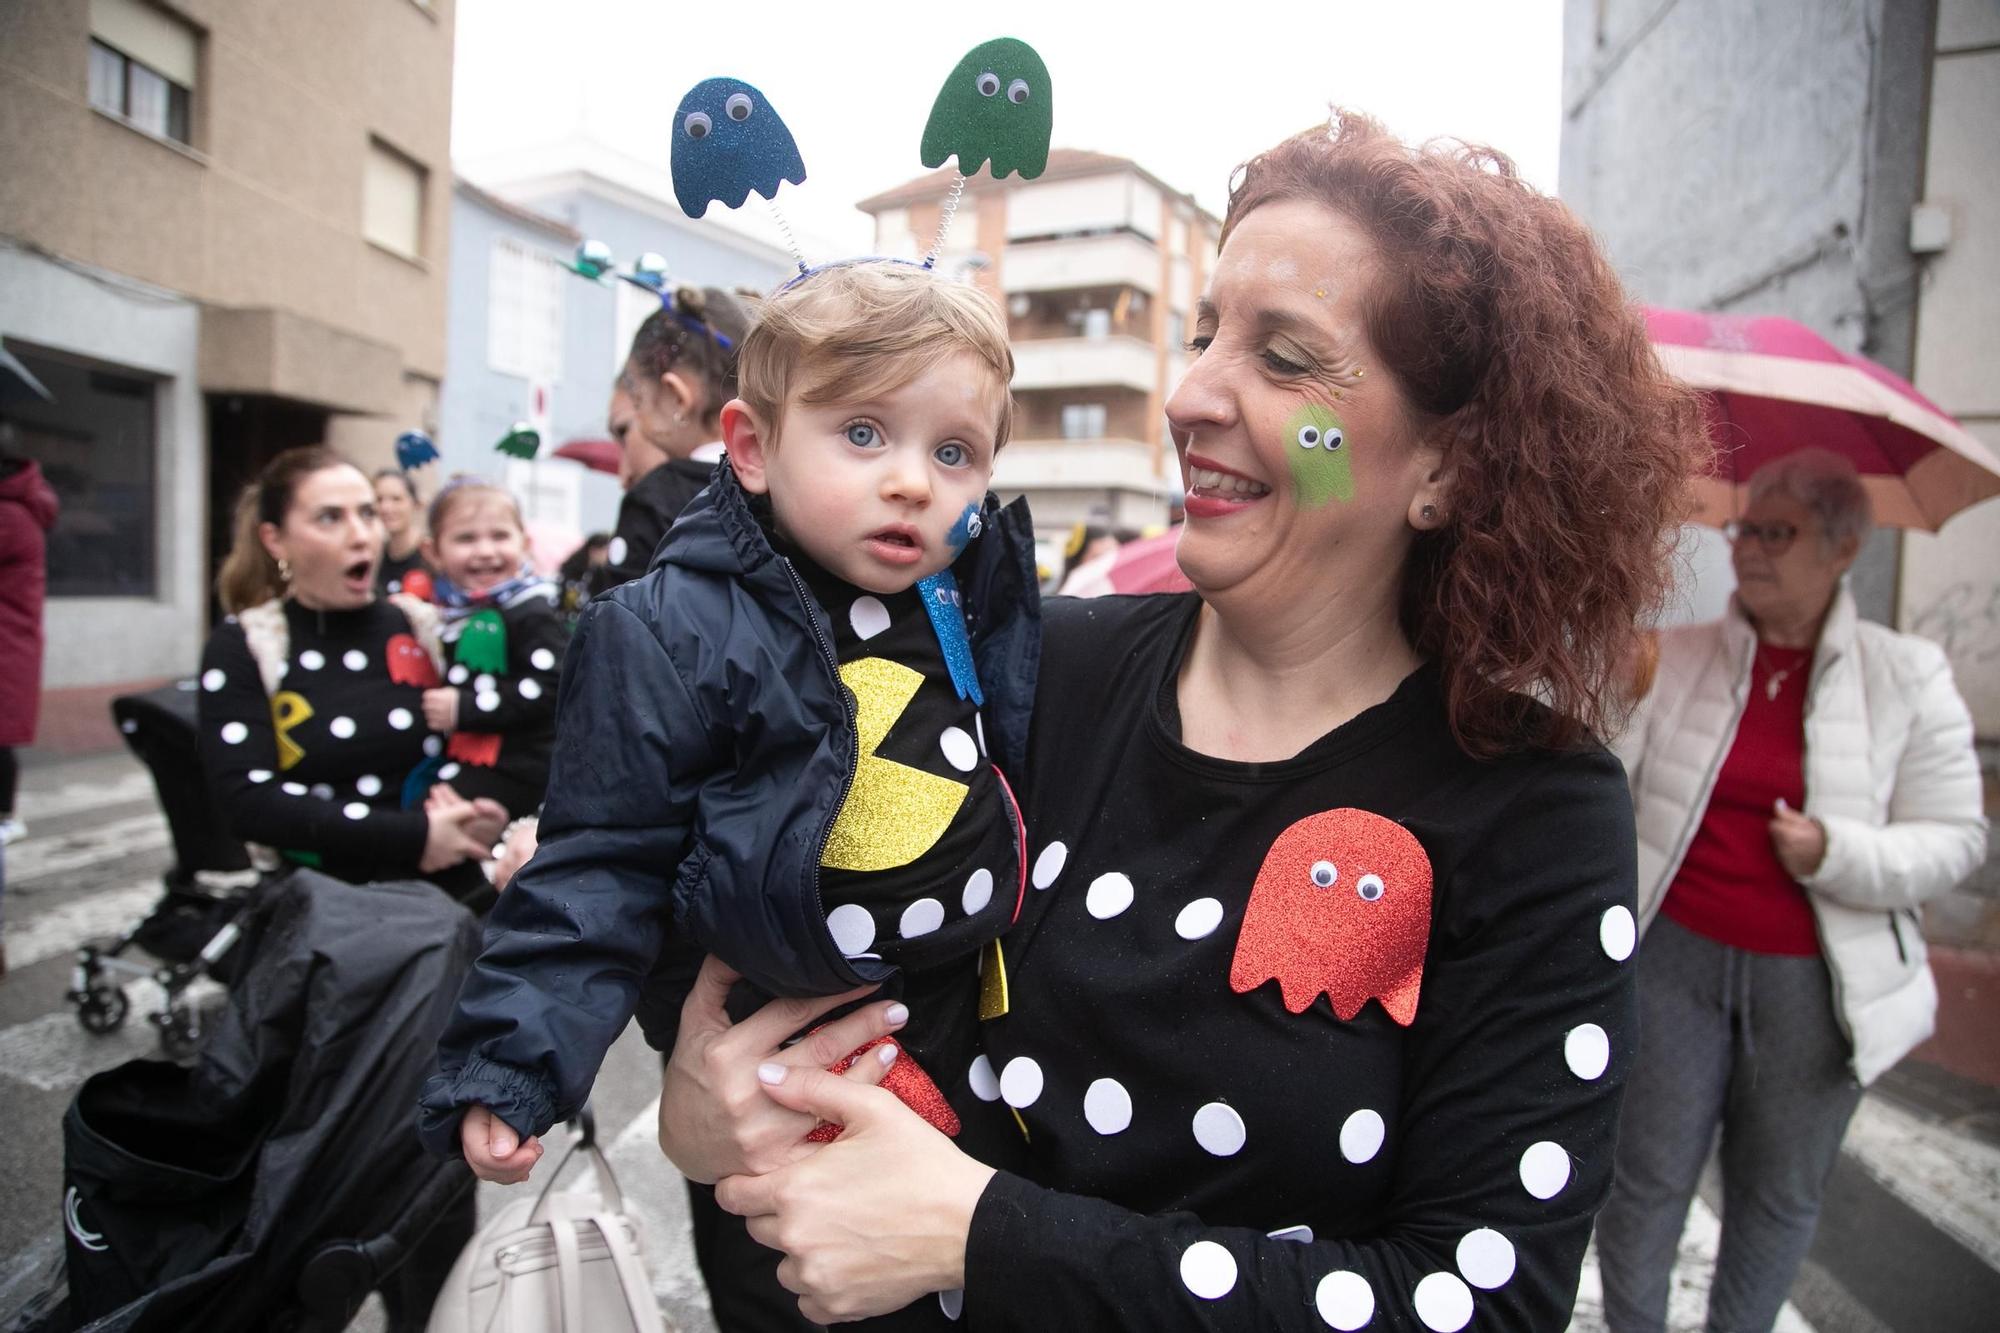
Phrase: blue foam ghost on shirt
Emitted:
{"points": [[728, 141]]}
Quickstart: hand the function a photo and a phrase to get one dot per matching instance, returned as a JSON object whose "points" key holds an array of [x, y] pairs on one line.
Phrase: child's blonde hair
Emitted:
{"points": [[856, 330]]}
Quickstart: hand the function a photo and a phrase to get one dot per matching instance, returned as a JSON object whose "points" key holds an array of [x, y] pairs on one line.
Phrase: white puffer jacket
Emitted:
{"points": [[1890, 775]]}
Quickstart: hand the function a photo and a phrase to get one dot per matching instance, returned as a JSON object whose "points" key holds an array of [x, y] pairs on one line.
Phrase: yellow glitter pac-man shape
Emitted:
{"points": [[288, 710], [893, 813]]}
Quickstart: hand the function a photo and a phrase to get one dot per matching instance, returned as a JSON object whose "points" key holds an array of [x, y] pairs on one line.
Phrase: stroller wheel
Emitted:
{"points": [[102, 1009]]}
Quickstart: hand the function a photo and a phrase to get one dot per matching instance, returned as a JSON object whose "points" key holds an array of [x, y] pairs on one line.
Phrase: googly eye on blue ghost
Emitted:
{"points": [[728, 142]]}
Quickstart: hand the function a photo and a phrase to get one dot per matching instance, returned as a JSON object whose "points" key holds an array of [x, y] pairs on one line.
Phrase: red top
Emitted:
{"points": [[1731, 886]]}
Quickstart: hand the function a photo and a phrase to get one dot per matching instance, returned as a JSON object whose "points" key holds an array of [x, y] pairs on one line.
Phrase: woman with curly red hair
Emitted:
{"points": [[1317, 1009]]}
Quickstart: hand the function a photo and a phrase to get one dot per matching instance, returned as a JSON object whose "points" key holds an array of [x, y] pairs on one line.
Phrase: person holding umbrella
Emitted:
{"points": [[1803, 782]]}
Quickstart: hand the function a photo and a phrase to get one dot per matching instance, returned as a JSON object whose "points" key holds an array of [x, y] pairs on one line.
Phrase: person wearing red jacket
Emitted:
{"points": [[28, 508]]}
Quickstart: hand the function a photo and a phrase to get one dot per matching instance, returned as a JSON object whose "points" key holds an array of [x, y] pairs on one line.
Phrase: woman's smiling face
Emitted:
{"points": [[1297, 446]]}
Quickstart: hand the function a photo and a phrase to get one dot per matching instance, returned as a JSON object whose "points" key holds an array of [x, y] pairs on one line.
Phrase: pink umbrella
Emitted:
{"points": [[1773, 386], [1145, 565]]}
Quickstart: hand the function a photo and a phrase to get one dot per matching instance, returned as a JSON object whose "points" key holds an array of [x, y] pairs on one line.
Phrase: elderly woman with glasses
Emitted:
{"points": [[1803, 781]]}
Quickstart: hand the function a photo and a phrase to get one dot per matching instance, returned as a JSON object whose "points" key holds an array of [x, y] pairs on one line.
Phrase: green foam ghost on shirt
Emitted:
{"points": [[995, 106], [482, 644], [1316, 443]]}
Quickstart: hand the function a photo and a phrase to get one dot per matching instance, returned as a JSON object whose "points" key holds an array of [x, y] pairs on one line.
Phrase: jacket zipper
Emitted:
{"points": [[825, 642], [1895, 929]]}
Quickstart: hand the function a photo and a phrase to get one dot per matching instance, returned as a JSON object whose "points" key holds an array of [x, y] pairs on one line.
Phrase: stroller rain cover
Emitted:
{"points": [[193, 1197]]}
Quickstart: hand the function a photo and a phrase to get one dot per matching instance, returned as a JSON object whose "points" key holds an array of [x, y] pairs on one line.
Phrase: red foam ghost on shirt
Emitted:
{"points": [[409, 664], [478, 748], [418, 584], [907, 1079], [1341, 905]]}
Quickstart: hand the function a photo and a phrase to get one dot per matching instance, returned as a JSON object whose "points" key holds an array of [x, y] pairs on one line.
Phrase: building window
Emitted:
{"points": [[392, 201], [146, 97], [97, 447], [143, 62], [1083, 421], [1176, 331], [524, 312]]}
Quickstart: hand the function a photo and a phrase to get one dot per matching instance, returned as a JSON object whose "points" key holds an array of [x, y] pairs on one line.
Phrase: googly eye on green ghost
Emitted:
{"points": [[1317, 448], [994, 108]]}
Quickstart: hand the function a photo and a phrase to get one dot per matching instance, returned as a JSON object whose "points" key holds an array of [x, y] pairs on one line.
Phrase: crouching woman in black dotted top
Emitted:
{"points": [[1320, 1006], [312, 724], [504, 638]]}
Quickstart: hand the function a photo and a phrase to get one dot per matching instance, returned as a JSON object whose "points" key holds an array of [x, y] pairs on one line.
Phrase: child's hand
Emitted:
{"points": [[493, 1150], [441, 708]]}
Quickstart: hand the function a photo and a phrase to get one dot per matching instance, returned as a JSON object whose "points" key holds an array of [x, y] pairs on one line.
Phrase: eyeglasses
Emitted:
{"points": [[1775, 538]]}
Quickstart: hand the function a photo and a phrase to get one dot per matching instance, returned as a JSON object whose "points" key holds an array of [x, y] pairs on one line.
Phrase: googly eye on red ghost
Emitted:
{"points": [[1350, 947], [988, 84]]}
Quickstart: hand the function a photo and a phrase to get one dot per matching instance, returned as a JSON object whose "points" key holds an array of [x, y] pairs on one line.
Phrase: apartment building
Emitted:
{"points": [[223, 232], [1099, 263]]}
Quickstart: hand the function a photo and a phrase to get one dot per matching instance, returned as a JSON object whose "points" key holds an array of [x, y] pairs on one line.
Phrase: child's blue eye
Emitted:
{"points": [[861, 435], [953, 455]]}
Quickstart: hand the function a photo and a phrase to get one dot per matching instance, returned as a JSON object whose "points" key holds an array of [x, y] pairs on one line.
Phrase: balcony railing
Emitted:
{"points": [[1083, 261], [1081, 363]]}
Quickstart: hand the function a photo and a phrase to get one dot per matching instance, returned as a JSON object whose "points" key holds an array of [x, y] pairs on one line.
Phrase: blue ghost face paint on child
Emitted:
{"points": [[728, 141]]}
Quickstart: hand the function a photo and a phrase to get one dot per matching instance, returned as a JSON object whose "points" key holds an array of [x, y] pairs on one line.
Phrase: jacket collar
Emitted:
{"points": [[1836, 636]]}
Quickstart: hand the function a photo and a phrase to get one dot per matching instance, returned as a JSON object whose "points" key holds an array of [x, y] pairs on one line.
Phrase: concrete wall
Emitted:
{"points": [[104, 640], [265, 208], [1756, 158], [1951, 581]]}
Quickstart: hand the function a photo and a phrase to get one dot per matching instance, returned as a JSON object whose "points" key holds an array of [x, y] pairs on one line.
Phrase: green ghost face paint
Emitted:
{"points": [[1316, 443], [994, 106]]}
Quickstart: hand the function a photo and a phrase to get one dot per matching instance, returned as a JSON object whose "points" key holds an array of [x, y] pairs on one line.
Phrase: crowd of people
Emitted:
{"points": [[1262, 956]]}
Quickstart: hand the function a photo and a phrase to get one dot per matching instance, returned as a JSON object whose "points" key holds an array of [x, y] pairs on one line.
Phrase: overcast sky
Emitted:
{"points": [[1186, 91]]}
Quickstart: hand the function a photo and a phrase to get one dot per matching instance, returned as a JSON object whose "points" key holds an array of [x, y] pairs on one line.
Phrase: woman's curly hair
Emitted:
{"points": [[1570, 450]]}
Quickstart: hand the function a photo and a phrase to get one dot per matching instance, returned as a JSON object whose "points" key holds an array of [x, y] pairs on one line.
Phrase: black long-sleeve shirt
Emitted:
{"points": [[507, 720], [644, 516], [338, 804], [1206, 1157]]}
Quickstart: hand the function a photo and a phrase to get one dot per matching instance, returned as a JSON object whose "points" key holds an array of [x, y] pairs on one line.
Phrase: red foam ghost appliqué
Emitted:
{"points": [[1341, 905], [418, 584], [409, 664], [480, 749], [907, 1079]]}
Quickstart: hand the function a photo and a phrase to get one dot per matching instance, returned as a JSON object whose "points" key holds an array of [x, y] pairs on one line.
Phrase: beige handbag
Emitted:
{"points": [[558, 1262]]}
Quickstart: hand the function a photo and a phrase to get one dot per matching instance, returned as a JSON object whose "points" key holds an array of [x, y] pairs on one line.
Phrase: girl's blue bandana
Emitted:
{"points": [[455, 603]]}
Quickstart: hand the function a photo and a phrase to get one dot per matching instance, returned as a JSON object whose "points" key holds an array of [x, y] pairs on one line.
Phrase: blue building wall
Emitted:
{"points": [[479, 404]]}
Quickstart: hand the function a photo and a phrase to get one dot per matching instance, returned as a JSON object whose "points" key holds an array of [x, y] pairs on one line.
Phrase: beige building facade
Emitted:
{"points": [[222, 233], [1099, 264]]}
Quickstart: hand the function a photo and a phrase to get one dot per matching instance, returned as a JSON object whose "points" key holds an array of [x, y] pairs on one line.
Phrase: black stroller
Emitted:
{"points": [[191, 932], [278, 1180]]}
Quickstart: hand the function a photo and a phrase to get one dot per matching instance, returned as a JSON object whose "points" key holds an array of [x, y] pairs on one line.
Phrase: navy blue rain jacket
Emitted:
{"points": [[704, 745]]}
